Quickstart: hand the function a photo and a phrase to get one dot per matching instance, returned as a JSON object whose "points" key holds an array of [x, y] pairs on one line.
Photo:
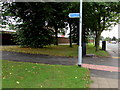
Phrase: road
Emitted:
{"points": [[114, 49]]}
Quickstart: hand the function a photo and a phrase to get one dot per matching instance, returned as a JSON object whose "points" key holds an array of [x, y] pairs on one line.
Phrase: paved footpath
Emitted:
{"points": [[104, 71]]}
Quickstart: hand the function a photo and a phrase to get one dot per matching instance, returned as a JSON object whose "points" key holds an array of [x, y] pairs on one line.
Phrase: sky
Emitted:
{"points": [[111, 33]]}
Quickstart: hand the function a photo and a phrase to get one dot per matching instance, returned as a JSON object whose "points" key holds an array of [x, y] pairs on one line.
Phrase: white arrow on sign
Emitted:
{"points": [[74, 15]]}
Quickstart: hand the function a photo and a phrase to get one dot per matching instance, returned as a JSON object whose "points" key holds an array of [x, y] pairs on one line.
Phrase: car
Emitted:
{"points": [[113, 42]]}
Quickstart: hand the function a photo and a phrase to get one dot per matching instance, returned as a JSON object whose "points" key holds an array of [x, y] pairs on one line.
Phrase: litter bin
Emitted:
{"points": [[104, 45]]}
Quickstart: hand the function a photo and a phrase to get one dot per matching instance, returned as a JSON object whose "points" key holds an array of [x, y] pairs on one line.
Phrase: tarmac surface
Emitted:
{"points": [[38, 58]]}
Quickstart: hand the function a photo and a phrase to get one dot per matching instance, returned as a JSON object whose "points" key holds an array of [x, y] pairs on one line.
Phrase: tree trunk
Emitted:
{"points": [[70, 35], [56, 35], [97, 40], [98, 33], [97, 43]]}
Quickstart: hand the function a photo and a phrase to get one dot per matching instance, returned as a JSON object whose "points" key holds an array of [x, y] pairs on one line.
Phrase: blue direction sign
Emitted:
{"points": [[74, 15]]}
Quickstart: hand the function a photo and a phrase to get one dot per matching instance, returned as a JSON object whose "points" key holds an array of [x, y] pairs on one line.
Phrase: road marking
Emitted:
{"points": [[102, 67]]}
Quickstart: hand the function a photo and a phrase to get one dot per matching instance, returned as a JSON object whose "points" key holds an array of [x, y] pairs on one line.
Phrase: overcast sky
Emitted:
{"points": [[113, 32]]}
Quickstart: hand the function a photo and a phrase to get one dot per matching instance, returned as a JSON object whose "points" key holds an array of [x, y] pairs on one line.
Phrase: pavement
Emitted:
{"points": [[108, 76], [104, 71]]}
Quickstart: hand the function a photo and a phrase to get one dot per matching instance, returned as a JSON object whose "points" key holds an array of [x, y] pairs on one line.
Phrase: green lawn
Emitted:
{"points": [[91, 50], [34, 75], [61, 50]]}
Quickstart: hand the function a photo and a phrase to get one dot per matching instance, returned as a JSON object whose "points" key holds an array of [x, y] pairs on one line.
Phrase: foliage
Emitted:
{"points": [[114, 38], [103, 16], [108, 39], [101, 38], [32, 32], [97, 17], [58, 19], [35, 75], [73, 23]]}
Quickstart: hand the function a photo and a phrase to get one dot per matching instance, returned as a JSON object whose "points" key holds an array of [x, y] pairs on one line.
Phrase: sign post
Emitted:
{"points": [[80, 37], [79, 15]]}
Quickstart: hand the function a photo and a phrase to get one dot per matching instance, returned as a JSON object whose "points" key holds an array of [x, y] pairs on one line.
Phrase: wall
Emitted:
{"points": [[63, 40], [6, 39]]}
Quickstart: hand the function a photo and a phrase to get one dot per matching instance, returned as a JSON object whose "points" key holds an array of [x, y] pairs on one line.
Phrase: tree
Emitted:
{"points": [[101, 38], [32, 32], [97, 17], [74, 25], [58, 18], [114, 38], [55, 14], [72, 7], [52, 13], [108, 39], [103, 16]]}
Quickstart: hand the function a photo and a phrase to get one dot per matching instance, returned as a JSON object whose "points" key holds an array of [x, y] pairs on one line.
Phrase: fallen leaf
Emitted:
{"points": [[75, 77], [3, 77], [28, 71], [17, 82]]}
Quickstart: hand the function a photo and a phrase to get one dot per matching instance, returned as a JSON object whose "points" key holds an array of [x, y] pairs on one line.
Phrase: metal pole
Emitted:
{"points": [[80, 36]]}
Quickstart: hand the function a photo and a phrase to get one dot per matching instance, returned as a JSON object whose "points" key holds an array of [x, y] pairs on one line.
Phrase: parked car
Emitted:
{"points": [[113, 42]]}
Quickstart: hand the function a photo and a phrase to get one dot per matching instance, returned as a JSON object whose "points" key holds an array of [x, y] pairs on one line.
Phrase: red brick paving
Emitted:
{"points": [[102, 67]]}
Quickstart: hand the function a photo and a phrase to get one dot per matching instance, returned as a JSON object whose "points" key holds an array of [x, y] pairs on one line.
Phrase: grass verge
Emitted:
{"points": [[34, 75], [61, 50], [91, 50]]}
